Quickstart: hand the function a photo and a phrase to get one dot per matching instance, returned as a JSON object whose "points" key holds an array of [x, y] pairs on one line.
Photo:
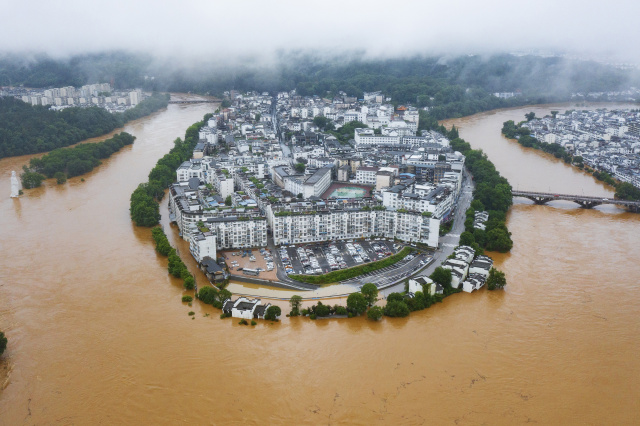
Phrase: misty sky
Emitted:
{"points": [[229, 30]]}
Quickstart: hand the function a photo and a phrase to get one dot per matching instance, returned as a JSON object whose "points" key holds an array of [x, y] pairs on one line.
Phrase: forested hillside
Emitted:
{"points": [[26, 129]]}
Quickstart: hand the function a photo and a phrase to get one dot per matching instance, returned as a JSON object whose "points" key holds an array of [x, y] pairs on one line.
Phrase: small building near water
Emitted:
{"points": [[246, 308]]}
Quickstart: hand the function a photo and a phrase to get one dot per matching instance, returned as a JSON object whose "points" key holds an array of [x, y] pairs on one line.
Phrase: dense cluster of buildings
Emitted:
{"points": [[607, 140], [101, 95], [245, 185]]}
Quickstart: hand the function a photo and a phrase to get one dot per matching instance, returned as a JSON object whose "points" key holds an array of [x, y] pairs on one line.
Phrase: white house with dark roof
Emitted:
{"points": [[246, 308], [457, 265], [425, 285], [481, 266], [473, 282], [456, 278], [464, 253]]}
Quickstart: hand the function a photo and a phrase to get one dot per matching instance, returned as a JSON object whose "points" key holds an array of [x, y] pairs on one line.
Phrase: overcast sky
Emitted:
{"points": [[232, 28]]}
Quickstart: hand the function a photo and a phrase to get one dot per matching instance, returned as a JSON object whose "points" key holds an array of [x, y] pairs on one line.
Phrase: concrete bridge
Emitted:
{"points": [[584, 201], [203, 101]]}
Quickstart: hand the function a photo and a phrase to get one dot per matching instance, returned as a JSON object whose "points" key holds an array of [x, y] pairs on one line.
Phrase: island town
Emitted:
{"points": [[284, 189]]}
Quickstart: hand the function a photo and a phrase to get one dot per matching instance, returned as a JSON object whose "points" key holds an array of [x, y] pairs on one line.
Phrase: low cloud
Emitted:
{"points": [[250, 31]]}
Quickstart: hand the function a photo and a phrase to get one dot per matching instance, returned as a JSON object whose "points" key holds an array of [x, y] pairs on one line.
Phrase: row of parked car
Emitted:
{"points": [[356, 251], [267, 257], [309, 261], [381, 250], [334, 258], [286, 262]]}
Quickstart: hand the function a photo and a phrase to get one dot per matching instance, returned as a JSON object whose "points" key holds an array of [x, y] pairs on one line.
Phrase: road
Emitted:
{"points": [[449, 241]]}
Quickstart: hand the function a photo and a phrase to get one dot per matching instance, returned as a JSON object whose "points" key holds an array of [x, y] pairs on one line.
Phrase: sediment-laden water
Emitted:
{"points": [[98, 333]]}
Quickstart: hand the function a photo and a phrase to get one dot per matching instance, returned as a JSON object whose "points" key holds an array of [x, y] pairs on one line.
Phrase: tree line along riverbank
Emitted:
{"points": [[27, 129], [522, 135], [492, 194], [144, 207]]}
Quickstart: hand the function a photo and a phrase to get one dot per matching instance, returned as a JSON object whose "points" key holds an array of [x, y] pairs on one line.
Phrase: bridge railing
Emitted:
{"points": [[552, 196]]}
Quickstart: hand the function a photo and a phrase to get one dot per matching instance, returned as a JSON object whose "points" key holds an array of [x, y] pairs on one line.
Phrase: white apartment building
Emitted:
{"points": [[194, 168], [201, 245], [209, 134], [366, 175], [306, 222], [367, 137], [223, 183], [438, 201], [311, 186], [233, 228]]}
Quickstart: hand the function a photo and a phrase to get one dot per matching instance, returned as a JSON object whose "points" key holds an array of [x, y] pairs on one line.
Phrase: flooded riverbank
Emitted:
{"points": [[98, 334]]}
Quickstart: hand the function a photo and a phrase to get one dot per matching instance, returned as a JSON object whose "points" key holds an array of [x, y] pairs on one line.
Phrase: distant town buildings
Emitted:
{"points": [[607, 140], [100, 95]]}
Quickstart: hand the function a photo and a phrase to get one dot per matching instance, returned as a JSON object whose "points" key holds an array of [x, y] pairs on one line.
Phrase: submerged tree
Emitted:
{"points": [[295, 302], [496, 279]]}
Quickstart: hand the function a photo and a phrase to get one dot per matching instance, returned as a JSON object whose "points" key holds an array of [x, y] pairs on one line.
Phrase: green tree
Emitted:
{"points": [[227, 201], [626, 191], [370, 293], [207, 294], [499, 239], [467, 238], [321, 121], [441, 276], [322, 310], [3, 343], [356, 303], [31, 179], [224, 295], [299, 167], [395, 297], [396, 308], [296, 303], [60, 178], [530, 116], [496, 279], [189, 282], [273, 312], [375, 313]]}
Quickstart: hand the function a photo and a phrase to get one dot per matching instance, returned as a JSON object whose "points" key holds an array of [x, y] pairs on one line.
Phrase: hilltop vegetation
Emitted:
{"points": [[27, 129]]}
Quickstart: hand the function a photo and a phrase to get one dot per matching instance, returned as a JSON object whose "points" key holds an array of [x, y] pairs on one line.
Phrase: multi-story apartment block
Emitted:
{"points": [[233, 228], [330, 220], [436, 200], [201, 245], [366, 175], [367, 137], [310, 186], [222, 182]]}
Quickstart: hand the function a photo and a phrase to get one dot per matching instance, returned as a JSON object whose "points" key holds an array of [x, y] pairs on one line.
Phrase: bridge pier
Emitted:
{"points": [[634, 209], [540, 200], [587, 204]]}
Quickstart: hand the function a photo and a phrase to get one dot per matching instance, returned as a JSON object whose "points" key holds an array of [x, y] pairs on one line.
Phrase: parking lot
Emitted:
{"points": [[391, 274], [258, 259], [321, 258]]}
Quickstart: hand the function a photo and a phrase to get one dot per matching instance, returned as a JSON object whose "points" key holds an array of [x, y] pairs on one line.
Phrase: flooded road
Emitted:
{"points": [[98, 334]]}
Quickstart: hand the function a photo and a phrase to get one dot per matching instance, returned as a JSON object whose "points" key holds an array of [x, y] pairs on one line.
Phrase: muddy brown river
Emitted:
{"points": [[98, 334]]}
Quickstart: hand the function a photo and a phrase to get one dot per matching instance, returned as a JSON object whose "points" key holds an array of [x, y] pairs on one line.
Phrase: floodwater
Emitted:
{"points": [[98, 334]]}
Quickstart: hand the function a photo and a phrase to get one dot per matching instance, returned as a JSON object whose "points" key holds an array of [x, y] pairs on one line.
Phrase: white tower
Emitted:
{"points": [[15, 185]]}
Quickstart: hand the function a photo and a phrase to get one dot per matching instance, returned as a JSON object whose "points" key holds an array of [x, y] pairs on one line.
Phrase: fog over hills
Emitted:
{"points": [[200, 31]]}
